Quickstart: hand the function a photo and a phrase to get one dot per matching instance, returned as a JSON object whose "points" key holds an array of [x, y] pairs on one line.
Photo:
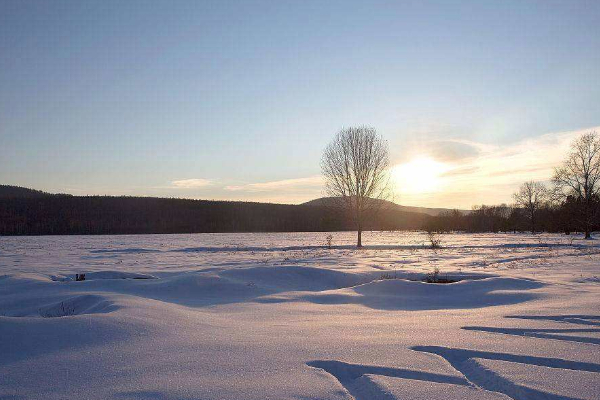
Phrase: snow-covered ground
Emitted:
{"points": [[280, 316]]}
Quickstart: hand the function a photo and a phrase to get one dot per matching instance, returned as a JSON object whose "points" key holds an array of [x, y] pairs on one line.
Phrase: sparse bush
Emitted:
{"points": [[435, 241], [388, 276], [328, 240], [434, 277]]}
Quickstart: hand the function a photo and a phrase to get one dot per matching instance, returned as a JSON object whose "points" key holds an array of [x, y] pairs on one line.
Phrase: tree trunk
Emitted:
{"points": [[359, 238]]}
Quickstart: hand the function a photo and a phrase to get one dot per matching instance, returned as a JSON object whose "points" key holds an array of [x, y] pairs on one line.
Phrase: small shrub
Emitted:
{"points": [[435, 241], [434, 277], [388, 276], [328, 240]]}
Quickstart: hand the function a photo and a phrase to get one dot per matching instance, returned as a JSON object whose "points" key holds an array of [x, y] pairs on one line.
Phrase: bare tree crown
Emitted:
{"points": [[531, 195], [580, 174], [355, 164], [579, 177]]}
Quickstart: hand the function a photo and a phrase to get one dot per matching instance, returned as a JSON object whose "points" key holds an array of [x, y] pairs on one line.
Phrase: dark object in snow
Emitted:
{"points": [[388, 276], [440, 280], [80, 277], [434, 277]]}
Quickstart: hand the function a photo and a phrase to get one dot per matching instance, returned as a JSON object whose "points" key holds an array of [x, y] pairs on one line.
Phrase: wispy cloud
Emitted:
{"points": [[460, 171], [191, 183], [455, 150], [313, 182], [492, 173]]}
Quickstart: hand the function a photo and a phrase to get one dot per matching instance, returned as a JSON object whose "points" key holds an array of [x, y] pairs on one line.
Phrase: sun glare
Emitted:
{"points": [[420, 175]]}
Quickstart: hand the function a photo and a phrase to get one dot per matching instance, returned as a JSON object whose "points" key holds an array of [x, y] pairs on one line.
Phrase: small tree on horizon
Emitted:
{"points": [[531, 197], [355, 166], [578, 180]]}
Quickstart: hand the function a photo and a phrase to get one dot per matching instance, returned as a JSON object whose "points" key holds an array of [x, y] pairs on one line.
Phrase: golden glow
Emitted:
{"points": [[420, 175]]}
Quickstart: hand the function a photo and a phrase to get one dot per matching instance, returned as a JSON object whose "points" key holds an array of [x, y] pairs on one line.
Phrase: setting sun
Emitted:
{"points": [[420, 175]]}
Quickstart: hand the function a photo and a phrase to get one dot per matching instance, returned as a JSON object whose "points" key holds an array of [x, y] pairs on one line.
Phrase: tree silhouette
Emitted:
{"points": [[579, 177], [355, 168]]}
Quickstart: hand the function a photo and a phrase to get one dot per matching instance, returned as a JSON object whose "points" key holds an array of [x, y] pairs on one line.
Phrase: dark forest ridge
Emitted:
{"points": [[330, 201], [30, 212], [18, 191]]}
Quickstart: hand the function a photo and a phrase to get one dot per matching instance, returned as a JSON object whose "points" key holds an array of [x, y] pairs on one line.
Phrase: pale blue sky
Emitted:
{"points": [[238, 98]]}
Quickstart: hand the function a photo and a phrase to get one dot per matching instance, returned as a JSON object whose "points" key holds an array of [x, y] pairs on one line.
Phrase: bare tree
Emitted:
{"points": [[579, 177], [531, 197], [355, 167]]}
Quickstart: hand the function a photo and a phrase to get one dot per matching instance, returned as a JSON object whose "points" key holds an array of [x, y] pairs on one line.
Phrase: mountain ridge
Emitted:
{"points": [[12, 191], [330, 201], [29, 212]]}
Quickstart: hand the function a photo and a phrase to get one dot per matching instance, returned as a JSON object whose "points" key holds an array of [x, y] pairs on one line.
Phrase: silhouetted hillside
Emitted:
{"points": [[40, 213], [330, 201], [17, 191]]}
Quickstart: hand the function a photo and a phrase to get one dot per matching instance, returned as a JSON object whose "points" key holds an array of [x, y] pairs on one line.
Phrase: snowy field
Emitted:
{"points": [[281, 316]]}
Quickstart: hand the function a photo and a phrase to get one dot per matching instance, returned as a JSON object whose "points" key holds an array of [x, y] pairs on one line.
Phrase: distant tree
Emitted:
{"points": [[531, 197], [355, 167], [514, 219], [579, 178]]}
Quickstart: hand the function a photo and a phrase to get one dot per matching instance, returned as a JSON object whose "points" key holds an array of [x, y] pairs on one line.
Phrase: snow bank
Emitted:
{"points": [[298, 278], [77, 305], [400, 294], [90, 276]]}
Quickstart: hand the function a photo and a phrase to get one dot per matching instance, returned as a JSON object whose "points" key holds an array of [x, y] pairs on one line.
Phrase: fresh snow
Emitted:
{"points": [[281, 316]]}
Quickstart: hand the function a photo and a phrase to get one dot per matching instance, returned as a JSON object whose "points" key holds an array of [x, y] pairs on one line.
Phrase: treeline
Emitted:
{"points": [[38, 213], [504, 218], [85, 215]]}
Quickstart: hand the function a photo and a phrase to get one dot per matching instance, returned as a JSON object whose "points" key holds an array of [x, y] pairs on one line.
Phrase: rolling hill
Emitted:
{"points": [[8, 191], [330, 201]]}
